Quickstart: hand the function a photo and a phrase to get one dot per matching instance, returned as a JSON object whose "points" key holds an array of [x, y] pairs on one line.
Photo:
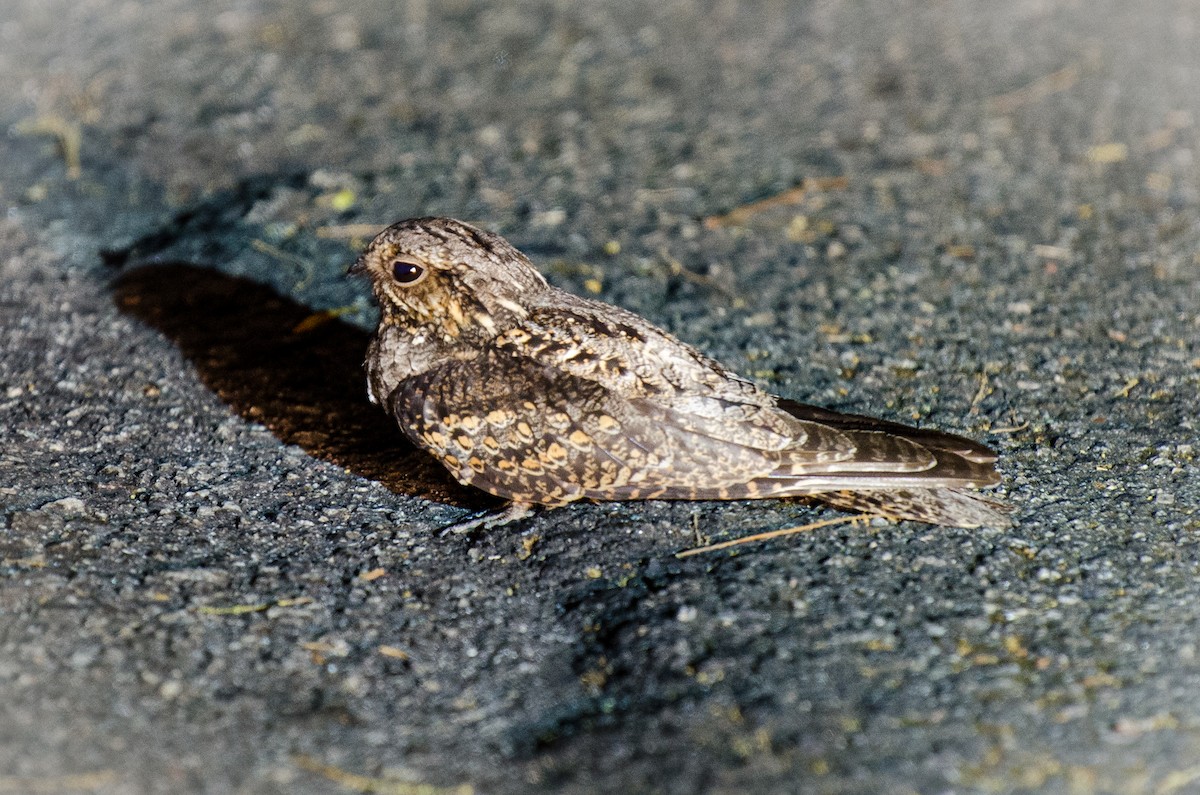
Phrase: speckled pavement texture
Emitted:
{"points": [[221, 569]]}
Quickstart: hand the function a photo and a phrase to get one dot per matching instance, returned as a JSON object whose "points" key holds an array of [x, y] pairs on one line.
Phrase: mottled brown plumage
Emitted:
{"points": [[543, 397]]}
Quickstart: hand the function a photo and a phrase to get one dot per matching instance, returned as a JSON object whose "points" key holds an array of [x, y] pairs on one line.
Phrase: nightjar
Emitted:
{"points": [[542, 397]]}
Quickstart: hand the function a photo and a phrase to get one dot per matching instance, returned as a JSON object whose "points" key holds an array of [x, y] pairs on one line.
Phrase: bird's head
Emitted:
{"points": [[446, 278]]}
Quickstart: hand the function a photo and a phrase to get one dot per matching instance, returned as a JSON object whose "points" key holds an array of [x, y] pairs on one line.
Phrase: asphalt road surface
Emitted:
{"points": [[221, 569]]}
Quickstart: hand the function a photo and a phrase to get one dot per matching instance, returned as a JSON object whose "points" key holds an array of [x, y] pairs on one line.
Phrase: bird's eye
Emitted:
{"points": [[406, 272]]}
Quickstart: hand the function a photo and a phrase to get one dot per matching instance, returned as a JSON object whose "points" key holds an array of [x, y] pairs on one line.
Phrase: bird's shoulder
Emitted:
{"points": [[620, 350]]}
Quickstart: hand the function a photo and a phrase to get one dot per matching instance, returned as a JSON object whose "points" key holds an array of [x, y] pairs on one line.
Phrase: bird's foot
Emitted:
{"points": [[486, 520]]}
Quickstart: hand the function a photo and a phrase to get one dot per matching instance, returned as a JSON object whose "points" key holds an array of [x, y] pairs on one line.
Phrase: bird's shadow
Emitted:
{"points": [[263, 355]]}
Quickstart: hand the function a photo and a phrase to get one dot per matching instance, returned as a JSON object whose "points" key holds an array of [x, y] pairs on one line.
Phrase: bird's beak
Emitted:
{"points": [[357, 268]]}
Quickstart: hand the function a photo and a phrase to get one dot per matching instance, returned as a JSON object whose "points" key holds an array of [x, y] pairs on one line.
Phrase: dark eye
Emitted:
{"points": [[407, 272]]}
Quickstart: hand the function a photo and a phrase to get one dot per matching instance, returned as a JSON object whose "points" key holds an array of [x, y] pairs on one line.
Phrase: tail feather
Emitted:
{"points": [[935, 440], [954, 507], [939, 493]]}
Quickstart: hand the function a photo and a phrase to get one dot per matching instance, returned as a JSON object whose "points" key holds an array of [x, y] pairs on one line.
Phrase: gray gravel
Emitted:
{"points": [[220, 568]]}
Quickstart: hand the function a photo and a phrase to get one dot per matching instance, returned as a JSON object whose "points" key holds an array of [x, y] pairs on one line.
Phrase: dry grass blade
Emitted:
{"points": [[1053, 83], [1010, 428], [383, 786], [767, 536], [984, 390], [745, 212], [349, 231], [68, 134], [676, 268], [58, 784]]}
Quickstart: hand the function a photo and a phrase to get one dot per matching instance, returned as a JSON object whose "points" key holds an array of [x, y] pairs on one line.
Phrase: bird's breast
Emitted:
{"points": [[398, 354]]}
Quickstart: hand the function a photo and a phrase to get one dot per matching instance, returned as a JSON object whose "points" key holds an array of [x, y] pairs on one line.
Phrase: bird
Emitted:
{"points": [[544, 398]]}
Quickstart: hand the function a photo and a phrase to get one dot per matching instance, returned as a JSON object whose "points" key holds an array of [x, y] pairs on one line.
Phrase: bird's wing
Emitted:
{"points": [[666, 379], [658, 378]]}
